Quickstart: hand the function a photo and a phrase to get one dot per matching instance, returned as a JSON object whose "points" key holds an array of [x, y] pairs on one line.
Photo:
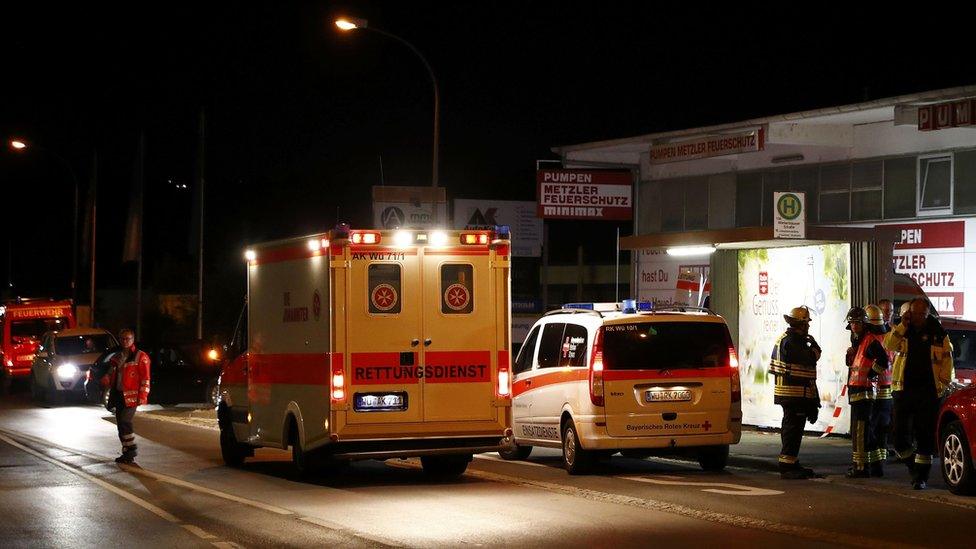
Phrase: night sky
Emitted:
{"points": [[299, 115]]}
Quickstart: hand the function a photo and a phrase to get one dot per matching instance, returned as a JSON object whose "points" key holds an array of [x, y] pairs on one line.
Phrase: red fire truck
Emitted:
{"points": [[364, 344], [22, 323]]}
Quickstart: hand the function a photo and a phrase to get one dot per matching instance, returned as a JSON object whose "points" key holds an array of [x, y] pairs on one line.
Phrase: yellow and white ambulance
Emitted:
{"points": [[599, 378], [368, 344]]}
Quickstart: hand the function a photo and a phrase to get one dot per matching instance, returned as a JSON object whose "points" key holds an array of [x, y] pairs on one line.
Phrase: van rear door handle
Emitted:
{"points": [[427, 342], [415, 342]]}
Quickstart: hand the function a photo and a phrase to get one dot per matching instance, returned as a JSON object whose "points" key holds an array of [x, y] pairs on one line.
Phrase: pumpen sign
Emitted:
{"points": [[585, 194]]}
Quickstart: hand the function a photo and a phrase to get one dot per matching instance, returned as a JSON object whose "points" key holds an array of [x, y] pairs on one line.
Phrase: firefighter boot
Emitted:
{"points": [[857, 472], [920, 473], [877, 469], [795, 472], [128, 455]]}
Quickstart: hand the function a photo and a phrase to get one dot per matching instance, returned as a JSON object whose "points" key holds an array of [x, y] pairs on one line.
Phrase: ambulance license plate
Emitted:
{"points": [[380, 402], [667, 395], [25, 357]]}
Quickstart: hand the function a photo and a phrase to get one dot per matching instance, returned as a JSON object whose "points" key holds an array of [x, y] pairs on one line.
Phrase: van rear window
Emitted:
{"points": [[665, 345]]}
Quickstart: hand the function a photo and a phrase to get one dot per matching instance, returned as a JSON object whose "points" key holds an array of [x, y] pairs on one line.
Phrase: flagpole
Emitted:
{"points": [[140, 178], [200, 182], [94, 233]]}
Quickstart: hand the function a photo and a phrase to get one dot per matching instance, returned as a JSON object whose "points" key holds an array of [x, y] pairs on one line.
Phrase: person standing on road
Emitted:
{"points": [[867, 361], [128, 380], [921, 374], [794, 364]]}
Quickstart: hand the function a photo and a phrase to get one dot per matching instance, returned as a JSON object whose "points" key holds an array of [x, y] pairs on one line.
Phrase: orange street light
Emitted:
{"points": [[350, 23], [17, 144]]}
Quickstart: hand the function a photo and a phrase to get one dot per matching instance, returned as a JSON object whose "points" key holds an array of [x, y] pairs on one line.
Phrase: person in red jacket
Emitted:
{"points": [[128, 380]]}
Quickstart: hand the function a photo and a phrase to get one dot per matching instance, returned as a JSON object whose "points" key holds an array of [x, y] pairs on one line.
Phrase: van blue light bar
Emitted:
{"points": [[584, 306]]}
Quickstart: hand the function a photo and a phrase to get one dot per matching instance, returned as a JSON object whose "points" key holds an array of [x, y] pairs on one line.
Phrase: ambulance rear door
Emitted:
{"points": [[461, 347], [384, 334]]}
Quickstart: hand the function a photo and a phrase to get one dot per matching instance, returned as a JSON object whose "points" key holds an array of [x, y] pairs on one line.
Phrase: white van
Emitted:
{"points": [[595, 379]]}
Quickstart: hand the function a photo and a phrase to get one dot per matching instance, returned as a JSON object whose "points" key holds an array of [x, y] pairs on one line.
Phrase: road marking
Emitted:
{"points": [[738, 521], [110, 487], [198, 532], [336, 526], [226, 545], [716, 487]]}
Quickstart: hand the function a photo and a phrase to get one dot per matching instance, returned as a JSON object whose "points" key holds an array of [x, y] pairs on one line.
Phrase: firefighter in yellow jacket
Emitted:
{"points": [[922, 372], [794, 364]]}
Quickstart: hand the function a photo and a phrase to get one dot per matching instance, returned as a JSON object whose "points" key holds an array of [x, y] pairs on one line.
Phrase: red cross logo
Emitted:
{"points": [[457, 297], [384, 297], [707, 425]]}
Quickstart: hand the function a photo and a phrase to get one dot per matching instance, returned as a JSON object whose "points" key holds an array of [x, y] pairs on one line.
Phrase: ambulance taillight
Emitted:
{"points": [[365, 237], [338, 384], [734, 375], [596, 370], [469, 239], [504, 382]]}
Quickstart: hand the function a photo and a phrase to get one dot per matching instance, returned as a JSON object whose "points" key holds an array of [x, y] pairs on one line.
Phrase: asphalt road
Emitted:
{"points": [[60, 487]]}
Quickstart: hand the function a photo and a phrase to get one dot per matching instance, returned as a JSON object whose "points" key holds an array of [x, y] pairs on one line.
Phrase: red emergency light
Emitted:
{"points": [[474, 239], [365, 237]]}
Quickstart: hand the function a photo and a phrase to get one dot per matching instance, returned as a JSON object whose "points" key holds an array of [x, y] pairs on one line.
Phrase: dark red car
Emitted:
{"points": [[957, 440]]}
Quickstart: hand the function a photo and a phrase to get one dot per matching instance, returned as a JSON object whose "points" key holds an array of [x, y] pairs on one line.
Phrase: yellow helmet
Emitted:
{"points": [[798, 315], [874, 315], [905, 307]]}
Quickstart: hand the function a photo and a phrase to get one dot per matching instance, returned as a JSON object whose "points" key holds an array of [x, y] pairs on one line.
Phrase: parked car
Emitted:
{"points": [[597, 379], [178, 374], [957, 440], [62, 360], [962, 334]]}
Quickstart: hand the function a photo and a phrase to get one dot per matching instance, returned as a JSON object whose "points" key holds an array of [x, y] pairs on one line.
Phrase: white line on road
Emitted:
{"points": [[727, 519], [713, 487], [111, 488], [496, 458], [198, 532]]}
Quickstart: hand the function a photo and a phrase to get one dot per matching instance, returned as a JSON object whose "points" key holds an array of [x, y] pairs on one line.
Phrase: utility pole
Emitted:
{"points": [[94, 233], [201, 165]]}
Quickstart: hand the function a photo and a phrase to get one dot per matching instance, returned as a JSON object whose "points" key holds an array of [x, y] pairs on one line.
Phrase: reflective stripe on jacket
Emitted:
{"points": [[794, 365]]}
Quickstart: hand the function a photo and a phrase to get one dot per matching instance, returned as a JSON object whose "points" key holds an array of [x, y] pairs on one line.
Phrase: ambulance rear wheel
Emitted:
{"points": [[519, 452], [232, 451], [576, 460], [445, 467], [713, 458]]}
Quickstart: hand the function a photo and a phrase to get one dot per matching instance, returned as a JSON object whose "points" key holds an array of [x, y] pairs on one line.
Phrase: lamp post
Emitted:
{"points": [[347, 24], [20, 145]]}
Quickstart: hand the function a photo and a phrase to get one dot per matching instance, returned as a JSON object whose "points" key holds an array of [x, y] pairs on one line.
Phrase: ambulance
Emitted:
{"points": [[22, 323], [373, 344], [595, 379]]}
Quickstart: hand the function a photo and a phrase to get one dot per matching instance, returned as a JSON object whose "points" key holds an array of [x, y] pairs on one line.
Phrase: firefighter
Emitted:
{"points": [[921, 373], [794, 364], [882, 406], [887, 309], [128, 380], [866, 360]]}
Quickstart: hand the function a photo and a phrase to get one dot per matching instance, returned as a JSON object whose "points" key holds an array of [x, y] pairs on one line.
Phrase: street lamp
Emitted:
{"points": [[20, 146], [347, 24]]}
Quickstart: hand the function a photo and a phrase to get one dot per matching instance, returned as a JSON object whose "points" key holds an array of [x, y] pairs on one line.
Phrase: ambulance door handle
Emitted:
{"points": [[427, 342], [415, 342]]}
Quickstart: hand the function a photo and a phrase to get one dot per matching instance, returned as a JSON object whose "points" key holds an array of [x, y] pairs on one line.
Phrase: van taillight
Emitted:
{"points": [[504, 382], [338, 384], [596, 370], [474, 238], [734, 375]]}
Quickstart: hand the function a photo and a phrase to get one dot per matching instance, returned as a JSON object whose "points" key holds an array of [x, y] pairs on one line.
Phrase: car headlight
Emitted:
{"points": [[67, 371]]}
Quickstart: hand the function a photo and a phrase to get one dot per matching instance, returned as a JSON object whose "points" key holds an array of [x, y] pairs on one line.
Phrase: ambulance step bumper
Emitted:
{"points": [[397, 448]]}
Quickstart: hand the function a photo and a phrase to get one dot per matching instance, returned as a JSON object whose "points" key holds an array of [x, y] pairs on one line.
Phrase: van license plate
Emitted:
{"points": [[667, 395], [380, 402]]}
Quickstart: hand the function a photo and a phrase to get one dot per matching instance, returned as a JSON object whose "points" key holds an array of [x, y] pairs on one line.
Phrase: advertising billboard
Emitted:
{"points": [[520, 216], [599, 195], [773, 281]]}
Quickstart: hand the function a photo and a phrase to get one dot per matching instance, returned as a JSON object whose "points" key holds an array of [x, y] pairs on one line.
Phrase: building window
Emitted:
{"points": [[964, 187], [835, 193], [899, 187], [806, 180], [935, 184], [672, 206], [777, 181], [696, 204], [867, 180], [748, 200]]}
